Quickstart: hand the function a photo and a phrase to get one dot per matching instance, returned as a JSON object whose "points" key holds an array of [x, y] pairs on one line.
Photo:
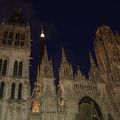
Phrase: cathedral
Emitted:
{"points": [[76, 98]]}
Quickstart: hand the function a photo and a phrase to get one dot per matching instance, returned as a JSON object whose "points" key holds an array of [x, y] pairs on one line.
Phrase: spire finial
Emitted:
{"points": [[63, 55], [79, 75], [92, 62], [63, 52], [42, 35]]}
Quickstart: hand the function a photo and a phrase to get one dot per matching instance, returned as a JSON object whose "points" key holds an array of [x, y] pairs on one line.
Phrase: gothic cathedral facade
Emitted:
{"points": [[14, 69], [76, 98]]}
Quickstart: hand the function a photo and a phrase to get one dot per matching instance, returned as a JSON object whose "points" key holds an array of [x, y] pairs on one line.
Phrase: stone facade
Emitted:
{"points": [[15, 52], [76, 98]]}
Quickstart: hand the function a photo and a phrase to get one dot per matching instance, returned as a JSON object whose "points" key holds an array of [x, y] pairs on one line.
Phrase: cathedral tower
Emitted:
{"points": [[44, 90], [14, 67], [107, 48]]}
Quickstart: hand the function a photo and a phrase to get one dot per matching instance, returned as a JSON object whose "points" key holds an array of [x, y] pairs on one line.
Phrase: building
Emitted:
{"points": [[97, 98], [14, 68]]}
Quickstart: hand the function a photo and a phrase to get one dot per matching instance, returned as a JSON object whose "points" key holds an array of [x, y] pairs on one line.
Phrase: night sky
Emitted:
{"points": [[66, 23]]}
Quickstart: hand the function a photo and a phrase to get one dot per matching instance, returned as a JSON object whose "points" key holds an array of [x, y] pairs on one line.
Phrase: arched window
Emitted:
{"points": [[10, 38], [66, 70], [5, 36], [17, 39], [45, 69], [13, 91], [22, 40], [15, 69], [0, 65], [2, 89], [20, 69], [20, 91], [4, 67]]}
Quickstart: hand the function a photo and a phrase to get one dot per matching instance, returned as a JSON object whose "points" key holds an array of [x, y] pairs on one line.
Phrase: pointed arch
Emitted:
{"points": [[17, 39], [15, 69], [20, 91], [22, 43], [13, 91], [20, 70], [91, 108], [66, 69], [2, 89], [10, 38], [45, 69], [4, 69], [5, 37]]}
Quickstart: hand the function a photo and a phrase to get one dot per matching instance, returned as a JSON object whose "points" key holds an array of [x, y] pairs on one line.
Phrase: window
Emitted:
{"points": [[0, 65], [13, 91], [20, 69], [10, 38], [66, 70], [20, 91], [4, 67], [5, 36], [17, 39], [2, 89], [22, 40], [15, 68]]}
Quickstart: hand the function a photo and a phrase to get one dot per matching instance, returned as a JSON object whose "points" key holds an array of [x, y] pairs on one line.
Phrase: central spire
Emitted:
{"points": [[44, 70], [42, 44], [45, 64]]}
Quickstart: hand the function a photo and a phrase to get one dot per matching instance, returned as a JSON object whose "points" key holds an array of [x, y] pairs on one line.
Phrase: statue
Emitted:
{"points": [[61, 95]]}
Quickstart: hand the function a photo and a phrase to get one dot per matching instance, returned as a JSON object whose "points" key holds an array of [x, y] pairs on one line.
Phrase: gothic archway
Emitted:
{"points": [[89, 109]]}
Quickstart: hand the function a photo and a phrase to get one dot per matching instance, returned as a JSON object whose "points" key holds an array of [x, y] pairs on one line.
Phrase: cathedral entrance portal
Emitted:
{"points": [[89, 109]]}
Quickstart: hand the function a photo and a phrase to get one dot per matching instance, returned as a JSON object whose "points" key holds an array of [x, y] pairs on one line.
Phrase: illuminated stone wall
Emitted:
{"points": [[14, 48]]}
